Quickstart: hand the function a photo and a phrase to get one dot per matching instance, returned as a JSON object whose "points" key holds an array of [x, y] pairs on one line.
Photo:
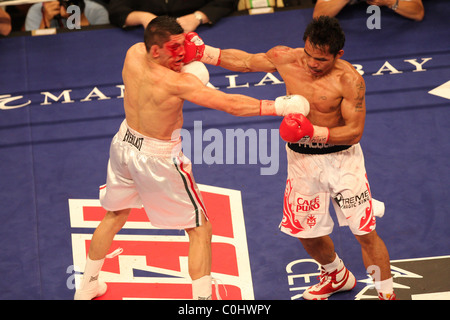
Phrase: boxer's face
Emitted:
{"points": [[173, 52], [318, 60]]}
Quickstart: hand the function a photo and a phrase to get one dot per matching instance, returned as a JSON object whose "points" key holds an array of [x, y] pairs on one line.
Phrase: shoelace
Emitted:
{"points": [[324, 276], [115, 253], [328, 275], [216, 287]]}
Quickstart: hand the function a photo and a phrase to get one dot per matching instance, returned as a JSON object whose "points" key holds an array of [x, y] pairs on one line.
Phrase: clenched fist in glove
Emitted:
{"points": [[285, 105], [296, 127]]}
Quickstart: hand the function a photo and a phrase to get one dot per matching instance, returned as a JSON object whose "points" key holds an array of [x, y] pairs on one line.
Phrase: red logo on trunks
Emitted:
{"points": [[289, 220], [368, 222], [154, 264], [305, 205], [311, 220]]}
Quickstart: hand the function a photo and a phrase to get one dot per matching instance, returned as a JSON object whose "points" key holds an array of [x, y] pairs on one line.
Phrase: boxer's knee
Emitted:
{"points": [[116, 219], [202, 232], [368, 239]]}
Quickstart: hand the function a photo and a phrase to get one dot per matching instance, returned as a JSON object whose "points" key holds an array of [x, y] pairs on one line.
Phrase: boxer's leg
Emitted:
{"points": [[376, 257], [320, 249], [105, 232], [101, 242], [200, 259]]}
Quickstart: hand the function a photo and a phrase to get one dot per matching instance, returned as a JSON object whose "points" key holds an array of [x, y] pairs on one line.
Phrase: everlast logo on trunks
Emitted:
{"points": [[352, 202], [132, 139]]}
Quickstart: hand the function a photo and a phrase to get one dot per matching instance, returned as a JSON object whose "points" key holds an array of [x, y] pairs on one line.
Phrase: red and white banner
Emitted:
{"points": [[156, 266]]}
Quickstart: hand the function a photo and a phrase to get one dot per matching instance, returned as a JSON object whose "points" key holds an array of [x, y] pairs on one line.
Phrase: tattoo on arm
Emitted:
{"points": [[360, 97]]}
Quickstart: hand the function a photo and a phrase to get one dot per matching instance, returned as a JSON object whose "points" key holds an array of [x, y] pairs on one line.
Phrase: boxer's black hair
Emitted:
{"points": [[325, 32], [159, 30]]}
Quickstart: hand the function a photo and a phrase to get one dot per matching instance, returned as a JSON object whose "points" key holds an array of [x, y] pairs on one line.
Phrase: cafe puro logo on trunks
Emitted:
{"points": [[310, 204]]}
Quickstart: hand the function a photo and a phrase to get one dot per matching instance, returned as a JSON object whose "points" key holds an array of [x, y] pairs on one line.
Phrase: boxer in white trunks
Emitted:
{"points": [[147, 167], [324, 156]]}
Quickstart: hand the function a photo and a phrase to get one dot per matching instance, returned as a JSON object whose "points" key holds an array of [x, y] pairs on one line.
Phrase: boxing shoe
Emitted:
{"points": [[336, 281], [94, 291], [386, 296]]}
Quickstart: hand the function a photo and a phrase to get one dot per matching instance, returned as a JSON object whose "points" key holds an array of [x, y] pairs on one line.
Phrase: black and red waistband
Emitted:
{"points": [[316, 148]]}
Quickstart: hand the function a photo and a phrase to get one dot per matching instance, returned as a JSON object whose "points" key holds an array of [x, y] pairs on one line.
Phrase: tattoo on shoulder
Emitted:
{"points": [[359, 107]]}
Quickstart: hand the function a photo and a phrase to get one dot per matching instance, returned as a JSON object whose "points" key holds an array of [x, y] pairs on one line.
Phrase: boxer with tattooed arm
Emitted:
{"points": [[325, 159]]}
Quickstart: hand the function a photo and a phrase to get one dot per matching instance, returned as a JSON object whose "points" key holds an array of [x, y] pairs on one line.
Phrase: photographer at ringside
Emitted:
{"points": [[54, 14]]}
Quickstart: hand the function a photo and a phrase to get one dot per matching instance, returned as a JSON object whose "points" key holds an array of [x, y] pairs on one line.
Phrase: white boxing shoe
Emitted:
{"points": [[336, 281]]}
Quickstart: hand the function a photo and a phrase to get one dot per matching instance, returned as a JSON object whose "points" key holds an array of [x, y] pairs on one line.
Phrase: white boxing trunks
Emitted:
{"points": [[318, 174], [155, 174]]}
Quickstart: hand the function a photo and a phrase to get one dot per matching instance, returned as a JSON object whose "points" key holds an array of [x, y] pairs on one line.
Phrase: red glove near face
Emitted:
{"points": [[194, 47], [197, 50]]}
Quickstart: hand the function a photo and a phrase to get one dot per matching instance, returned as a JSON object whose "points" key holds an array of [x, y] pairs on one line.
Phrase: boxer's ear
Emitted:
{"points": [[154, 51], [339, 54]]}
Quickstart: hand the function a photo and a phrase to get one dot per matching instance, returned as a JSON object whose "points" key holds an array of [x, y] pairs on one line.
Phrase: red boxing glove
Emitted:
{"points": [[296, 127], [194, 47], [197, 50]]}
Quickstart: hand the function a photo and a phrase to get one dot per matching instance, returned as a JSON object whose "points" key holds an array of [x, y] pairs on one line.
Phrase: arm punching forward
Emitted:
{"points": [[295, 127], [196, 50]]}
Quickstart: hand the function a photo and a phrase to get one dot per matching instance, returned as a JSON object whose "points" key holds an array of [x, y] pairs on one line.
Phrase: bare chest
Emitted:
{"points": [[324, 94]]}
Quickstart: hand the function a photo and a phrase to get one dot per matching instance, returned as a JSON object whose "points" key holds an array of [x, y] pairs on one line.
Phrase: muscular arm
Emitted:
{"points": [[241, 61], [190, 88], [353, 110]]}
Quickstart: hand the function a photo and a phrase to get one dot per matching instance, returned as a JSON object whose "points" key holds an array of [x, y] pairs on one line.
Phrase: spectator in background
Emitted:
{"points": [[412, 9], [5, 22], [190, 14], [53, 14]]}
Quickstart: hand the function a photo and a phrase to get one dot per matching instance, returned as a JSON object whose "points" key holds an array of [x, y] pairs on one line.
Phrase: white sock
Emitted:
{"points": [[202, 288], [385, 286], [91, 272], [336, 264]]}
